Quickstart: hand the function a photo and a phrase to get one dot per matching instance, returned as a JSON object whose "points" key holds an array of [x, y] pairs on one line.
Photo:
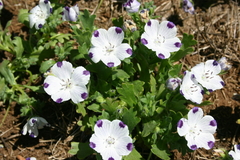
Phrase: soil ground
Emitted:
{"points": [[216, 28]]}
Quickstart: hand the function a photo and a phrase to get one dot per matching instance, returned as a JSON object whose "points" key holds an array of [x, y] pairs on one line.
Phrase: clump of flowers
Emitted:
{"points": [[236, 153], [107, 46], [66, 82], [40, 13], [70, 13], [173, 83], [111, 139], [161, 38], [33, 125], [198, 130], [188, 7], [132, 6]]}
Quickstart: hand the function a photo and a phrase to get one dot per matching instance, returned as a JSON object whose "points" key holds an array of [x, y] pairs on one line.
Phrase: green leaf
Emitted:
{"points": [[87, 20], [81, 109], [82, 150], [46, 65], [6, 72], [133, 155], [120, 74], [130, 119], [160, 153], [110, 105], [18, 46], [149, 127], [23, 16], [175, 70], [94, 107]]}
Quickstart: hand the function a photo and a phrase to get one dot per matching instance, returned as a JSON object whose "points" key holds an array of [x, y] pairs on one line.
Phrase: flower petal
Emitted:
{"points": [[25, 129], [118, 129], [62, 70], [233, 155], [205, 140], [237, 149], [111, 60], [167, 29], [41, 122], [80, 76], [61, 96], [97, 143], [151, 28], [124, 145], [123, 51], [213, 66], [102, 128], [182, 127], [207, 124], [78, 93], [115, 35], [110, 154], [95, 53], [45, 6], [194, 116], [100, 38], [52, 85], [172, 44]]}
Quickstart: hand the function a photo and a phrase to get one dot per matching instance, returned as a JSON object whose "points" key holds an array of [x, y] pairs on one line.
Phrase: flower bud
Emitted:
{"points": [[173, 83]]}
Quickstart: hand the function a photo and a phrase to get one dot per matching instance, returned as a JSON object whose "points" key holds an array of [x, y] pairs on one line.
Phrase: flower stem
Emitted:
{"points": [[5, 115]]}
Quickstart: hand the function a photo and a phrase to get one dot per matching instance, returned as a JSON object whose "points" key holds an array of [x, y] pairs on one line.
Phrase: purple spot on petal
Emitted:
{"points": [[213, 123], [67, 8], [51, 10], [130, 146], [181, 92], [122, 125], [32, 135], [129, 51], [144, 41], [33, 120], [238, 146], [45, 85], [92, 145], [184, 73], [86, 72], [210, 90], [59, 64], [215, 63], [1, 4], [210, 144], [45, 1], [118, 30], [193, 76], [193, 147], [28, 158], [170, 25], [59, 100], [96, 33], [90, 55], [178, 44], [84, 95], [111, 158], [110, 64], [223, 84], [149, 23], [40, 26], [202, 92], [99, 123], [195, 109], [180, 124], [161, 56]]}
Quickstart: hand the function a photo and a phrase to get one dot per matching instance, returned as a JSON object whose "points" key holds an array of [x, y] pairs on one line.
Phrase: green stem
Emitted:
{"points": [[5, 115], [98, 6]]}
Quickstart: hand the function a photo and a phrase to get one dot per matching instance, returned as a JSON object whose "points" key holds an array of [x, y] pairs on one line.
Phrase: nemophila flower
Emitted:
{"points": [[188, 6], [207, 75], [33, 125], [225, 66], [198, 130], [107, 46], [132, 6], [129, 24], [236, 153], [31, 158], [1, 5], [40, 13], [190, 89], [66, 82], [70, 13], [161, 38], [173, 83], [144, 14], [111, 139]]}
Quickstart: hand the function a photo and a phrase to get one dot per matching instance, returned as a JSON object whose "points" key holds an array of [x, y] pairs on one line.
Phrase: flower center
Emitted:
{"points": [[159, 40], [194, 131], [109, 49], [41, 14], [110, 141], [67, 84], [207, 75], [193, 88]]}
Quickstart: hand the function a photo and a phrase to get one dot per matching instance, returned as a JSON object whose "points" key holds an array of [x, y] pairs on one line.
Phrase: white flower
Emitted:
{"points": [[108, 46], [111, 139], [33, 125], [1, 5], [132, 6], [161, 38], [225, 66], [40, 13], [173, 83], [206, 75], [70, 13], [190, 89], [66, 83], [31, 158], [197, 129], [188, 6], [236, 153]]}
